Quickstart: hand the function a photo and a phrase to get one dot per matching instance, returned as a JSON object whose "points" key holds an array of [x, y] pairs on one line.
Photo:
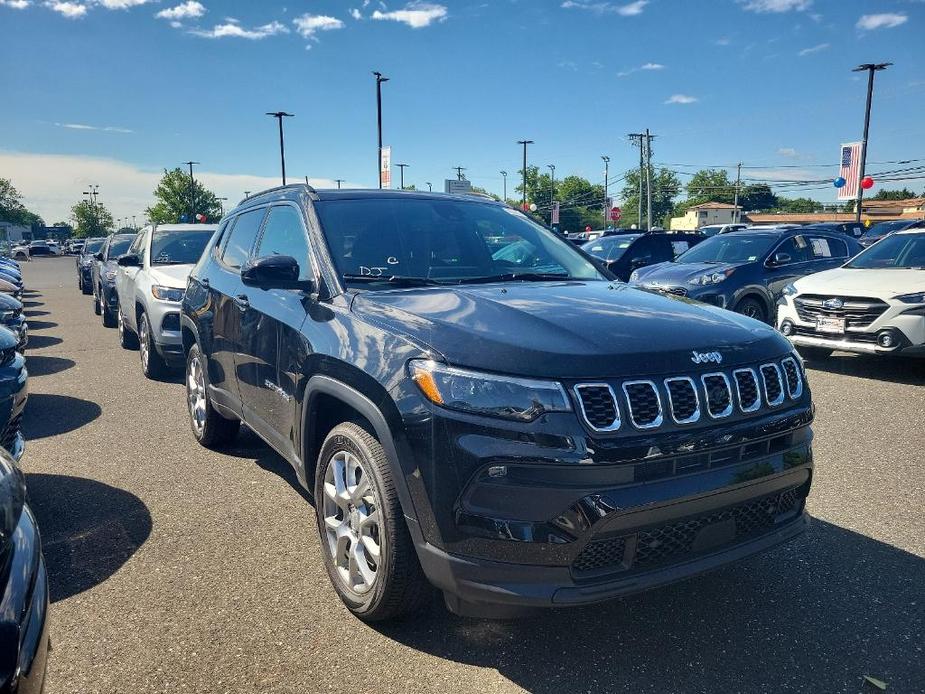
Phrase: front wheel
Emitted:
{"points": [[752, 308], [152, 363], [84, 287], [127, 339], [109, 320], [97, 303], [211, 429], [368, 552]]}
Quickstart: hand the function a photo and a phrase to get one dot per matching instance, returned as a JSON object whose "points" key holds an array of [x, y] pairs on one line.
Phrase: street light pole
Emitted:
{"points": [[221, 203], [430, 188], [339, 181], [552, 186], [606, 184], [525, 143], [401, 175], [279, 115], [871, 68], [379, 80], [504, 175], [192, 192]]}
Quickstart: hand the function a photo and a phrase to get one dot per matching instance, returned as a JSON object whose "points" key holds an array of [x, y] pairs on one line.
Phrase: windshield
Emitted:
{"points": [[93, 245], [745, 248], [883, 228], [900, 251], [442, 241], [610, 247], [119, 246], [178, 247]]}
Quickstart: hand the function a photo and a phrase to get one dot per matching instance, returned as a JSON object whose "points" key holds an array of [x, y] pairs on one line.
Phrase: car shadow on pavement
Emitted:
{"points": [[815, 615], [89, 530], [41, 324], [249, 445], [905, 371], [30, 314], [38, 365], [40, 341], [48, 415], [29, 304]]}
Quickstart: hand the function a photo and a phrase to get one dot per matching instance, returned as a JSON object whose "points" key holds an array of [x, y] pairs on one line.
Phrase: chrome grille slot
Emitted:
{"points": [[644, 404], [747, 389], [598, 405], [773, 388], [718, 394], [793, 378], [682, 400]]}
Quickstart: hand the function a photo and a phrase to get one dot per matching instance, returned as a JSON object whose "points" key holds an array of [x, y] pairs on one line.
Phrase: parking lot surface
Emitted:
{"points": [[174, 568]]}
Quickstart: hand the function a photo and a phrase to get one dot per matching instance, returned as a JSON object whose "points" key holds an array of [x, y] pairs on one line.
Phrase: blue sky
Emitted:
{"points": [[766, 82]]}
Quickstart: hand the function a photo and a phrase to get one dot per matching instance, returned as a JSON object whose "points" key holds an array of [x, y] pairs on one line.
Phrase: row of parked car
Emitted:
{"points": [[476, 404]]}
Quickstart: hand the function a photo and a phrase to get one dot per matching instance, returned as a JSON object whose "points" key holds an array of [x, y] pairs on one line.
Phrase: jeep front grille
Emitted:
{"points": [[682, 400]]}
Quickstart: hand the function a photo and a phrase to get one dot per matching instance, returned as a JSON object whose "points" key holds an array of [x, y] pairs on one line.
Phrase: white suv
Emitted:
{"points": [[874, 304], [150, 284]]}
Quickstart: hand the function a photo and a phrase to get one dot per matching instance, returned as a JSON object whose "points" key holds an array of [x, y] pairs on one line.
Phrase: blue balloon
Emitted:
{"points": [[839, 182]]}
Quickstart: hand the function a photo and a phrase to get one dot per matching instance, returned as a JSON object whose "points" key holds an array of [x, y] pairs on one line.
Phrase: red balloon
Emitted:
{"points": [[867, 183]]}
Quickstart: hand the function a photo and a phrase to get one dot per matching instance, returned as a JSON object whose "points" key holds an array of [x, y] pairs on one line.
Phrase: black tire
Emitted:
{"points": [[109, 320], [153, 365], [127, 339], [815, 353], [400, 587], [97, 304], [752, 308], [216, 431], [84, 287]]}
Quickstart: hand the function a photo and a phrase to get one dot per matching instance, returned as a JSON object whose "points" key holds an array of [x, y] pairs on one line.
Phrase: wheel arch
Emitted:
{"points": [[760, 294]]}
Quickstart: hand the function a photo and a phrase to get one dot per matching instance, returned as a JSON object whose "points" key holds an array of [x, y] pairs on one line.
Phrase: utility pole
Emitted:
{"points": [[221, 202], [504, 176], [735, 211], [552, 182], [192, 192], [401, 175], [649, 139], [430, 188], [636, 139], [339, 181], [379, 80], [525, 143], [606, 186], [459, 172], [871, 68], [279, 115]]}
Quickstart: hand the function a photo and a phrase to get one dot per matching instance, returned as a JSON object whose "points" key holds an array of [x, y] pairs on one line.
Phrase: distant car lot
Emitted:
{"points": [[172, 566]]}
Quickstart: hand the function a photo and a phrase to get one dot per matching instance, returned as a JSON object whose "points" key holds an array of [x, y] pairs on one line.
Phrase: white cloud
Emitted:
{"points": [[648, 67], [234, 30], [307, 25], [416, 15], [71, 10], [121, 4], [15, 4], [887, 20], [788, 152], [652, 66], [813, 49], [104, 128], [722, 41], [356, 14], [186, 10], [51, 183], [681, 99], [776, 6], [629, 10]]}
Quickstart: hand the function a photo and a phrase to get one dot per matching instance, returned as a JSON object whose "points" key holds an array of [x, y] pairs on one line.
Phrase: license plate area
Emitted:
{"points": [[831, 325]]}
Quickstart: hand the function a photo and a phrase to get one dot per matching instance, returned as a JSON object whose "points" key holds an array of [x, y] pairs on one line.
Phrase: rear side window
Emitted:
{"points": [[283, 234], [828, 248], [241, 239]]}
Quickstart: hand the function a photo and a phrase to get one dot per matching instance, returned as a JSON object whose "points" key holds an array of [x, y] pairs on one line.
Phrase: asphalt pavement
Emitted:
{"points": [[174, 568]]}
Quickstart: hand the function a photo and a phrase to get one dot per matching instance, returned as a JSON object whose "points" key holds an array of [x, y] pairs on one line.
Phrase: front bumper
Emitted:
{"points": [[905, 323], [14, 393], [19, 327], [168, 340]]}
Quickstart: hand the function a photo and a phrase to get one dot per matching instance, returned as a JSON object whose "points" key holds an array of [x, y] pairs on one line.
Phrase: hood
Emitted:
{"points": [[7, 339], [10, 303], [675, 274], [171, 275], [569, 329], [882, 284]]}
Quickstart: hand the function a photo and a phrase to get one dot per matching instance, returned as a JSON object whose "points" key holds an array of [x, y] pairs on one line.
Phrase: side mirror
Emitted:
{"points": [[780, 259], [640, 262], [274, 272], [129, 260], [98, 256]]}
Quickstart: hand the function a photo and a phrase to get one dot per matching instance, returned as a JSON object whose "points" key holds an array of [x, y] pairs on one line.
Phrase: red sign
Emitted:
{"points": [[615, 214]]}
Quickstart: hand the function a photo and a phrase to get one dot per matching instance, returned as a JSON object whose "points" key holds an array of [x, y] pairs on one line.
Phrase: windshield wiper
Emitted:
{"points": [[515, 277], [397, 280]]}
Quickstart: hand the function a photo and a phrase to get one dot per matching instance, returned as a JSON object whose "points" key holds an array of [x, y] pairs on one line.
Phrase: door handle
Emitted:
{"points": [[241, 302]]}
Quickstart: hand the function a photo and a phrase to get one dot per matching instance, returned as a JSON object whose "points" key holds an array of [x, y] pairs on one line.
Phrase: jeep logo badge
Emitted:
{"points": [[706, 357], [833, 304]]}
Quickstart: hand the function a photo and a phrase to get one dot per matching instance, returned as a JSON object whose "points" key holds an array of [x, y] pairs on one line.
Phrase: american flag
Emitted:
{"points": [[850, 168]]}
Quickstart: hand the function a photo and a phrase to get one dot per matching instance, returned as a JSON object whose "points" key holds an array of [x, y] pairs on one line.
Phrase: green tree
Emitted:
{"points": [[710, 185], [172, 197], [798, 205], [665, 188], [903, 194], [90, 219], [757, 197], [12, 208]]}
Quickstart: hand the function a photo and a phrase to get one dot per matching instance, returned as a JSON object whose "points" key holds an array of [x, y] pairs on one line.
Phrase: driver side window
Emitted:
{"points": [[284, 234]]}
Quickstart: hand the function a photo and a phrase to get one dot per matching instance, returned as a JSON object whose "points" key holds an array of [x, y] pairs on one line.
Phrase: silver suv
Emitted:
{"points": [[150, 283]]}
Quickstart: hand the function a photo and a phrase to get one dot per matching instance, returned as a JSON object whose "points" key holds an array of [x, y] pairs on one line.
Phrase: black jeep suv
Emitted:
{"points": [[474, 405]]}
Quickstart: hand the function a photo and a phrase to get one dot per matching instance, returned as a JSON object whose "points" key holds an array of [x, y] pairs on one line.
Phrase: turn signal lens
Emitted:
{"points": [[427, 384]]}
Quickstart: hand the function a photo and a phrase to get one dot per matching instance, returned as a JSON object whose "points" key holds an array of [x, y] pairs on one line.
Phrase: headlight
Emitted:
{"points": [[111, 275], [634, 275], [710, 278], [166, 293], [488, 394], [789, 290], [917, 298]]}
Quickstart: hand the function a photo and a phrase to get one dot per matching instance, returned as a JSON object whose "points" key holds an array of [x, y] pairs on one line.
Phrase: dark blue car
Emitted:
{"points": [[746, 271], [878, 231], [105, 300]]}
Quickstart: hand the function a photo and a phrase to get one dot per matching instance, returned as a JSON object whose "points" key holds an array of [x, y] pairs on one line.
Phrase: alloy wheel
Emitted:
{"points": [[143, 341], [352, 522], [196, 393]]}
